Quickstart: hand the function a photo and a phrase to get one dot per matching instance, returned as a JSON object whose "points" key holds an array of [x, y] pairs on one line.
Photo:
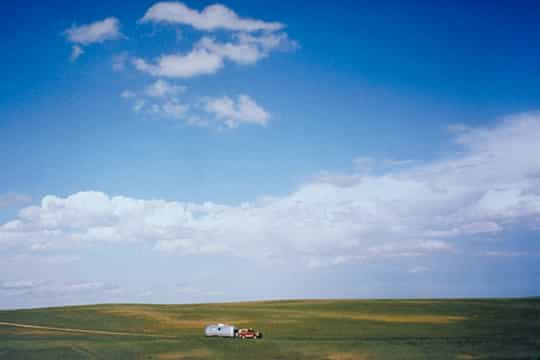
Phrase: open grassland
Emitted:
{"points": [[303, 329]]}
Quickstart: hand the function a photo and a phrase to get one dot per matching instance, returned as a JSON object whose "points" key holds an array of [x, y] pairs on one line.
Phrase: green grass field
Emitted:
{"points": [[302, 329]]}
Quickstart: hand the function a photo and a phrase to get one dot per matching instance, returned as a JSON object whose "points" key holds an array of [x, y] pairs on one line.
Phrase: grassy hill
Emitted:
{"points": [[301, 329]]}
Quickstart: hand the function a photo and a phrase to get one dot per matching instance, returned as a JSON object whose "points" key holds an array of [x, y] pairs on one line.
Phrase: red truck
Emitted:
{"points": [[249, 334]]}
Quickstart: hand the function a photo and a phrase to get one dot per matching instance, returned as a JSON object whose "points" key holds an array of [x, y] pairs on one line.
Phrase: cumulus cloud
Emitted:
{"points": [[170, 109], [247, 49], [162, 88], [96, 32], [196, 62], [211, 18], [208, 55], [250, 41], [266, 42], [235, 112], [158, 99], [410, 212], [241, 53]]}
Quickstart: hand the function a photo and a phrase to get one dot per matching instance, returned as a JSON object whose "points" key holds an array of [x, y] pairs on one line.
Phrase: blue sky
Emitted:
{"points": [[351, 150]]}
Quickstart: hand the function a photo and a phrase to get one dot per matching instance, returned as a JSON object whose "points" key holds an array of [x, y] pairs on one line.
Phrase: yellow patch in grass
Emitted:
{"points": [[179, 355], [404, 318], [346, 356], [279, 321], [394, 318], [163, 318], [467, 357]]}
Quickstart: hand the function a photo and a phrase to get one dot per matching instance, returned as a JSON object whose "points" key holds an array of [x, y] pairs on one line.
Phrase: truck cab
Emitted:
{"points": [[249, 333]]}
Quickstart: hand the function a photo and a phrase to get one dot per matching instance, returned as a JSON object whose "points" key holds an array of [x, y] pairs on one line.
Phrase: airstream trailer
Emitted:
{"points": [[220, 330]]}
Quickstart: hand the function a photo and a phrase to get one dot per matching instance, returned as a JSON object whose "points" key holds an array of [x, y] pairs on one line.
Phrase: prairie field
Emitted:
{"points": [[295, 329]]}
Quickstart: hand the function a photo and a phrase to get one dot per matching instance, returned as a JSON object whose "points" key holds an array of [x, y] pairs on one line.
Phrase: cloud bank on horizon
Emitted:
{"points": [[412, 211]]}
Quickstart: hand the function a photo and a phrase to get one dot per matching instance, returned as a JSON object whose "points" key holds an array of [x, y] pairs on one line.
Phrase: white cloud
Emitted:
{"points": [[241, 53], [76, 51], [234, 113], [414, 212], [251, 41], [96, 32], [197, 62], [161, 88], [268, 41], [247, 49], [158, 99], [212, 17], [206, 58], [170, 109], [208, 55]]}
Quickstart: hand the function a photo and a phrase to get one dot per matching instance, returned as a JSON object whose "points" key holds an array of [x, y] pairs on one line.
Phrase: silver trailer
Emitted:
{"points": [[220, 330]]}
